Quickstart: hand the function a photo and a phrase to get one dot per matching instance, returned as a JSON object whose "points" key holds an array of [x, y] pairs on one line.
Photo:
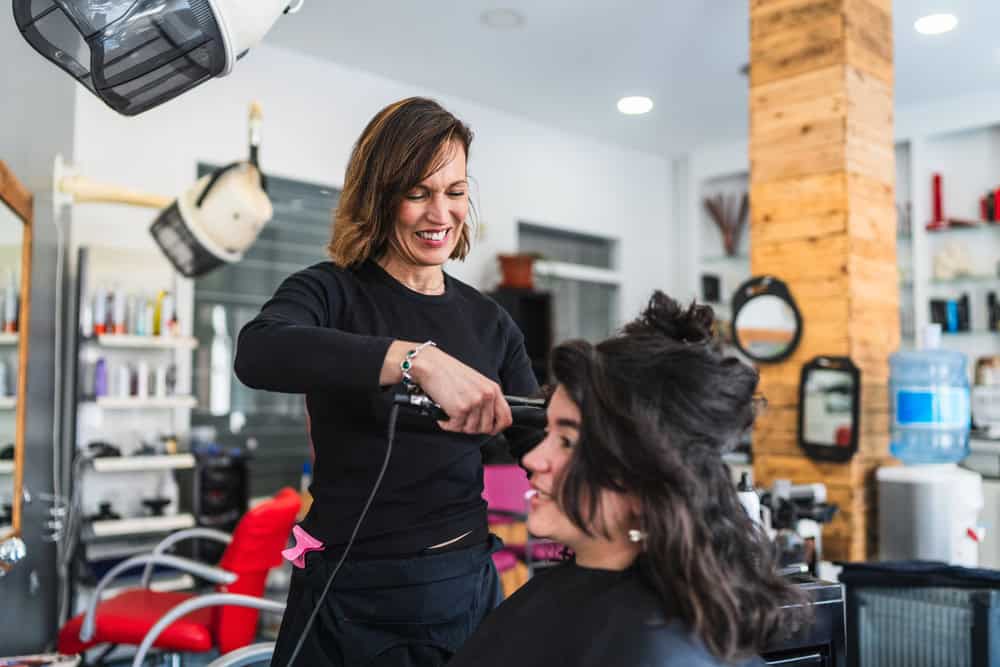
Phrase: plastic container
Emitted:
{"points": [[929, 395]]}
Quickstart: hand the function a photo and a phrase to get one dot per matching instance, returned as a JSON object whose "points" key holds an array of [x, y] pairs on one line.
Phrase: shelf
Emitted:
{"points": [[8, 402], [9, 338], [969, 334], [146, 525], [145, 342], [6, 467], [134, 402], [143, 463], [964, 228], [725, 259], [965, 279]]}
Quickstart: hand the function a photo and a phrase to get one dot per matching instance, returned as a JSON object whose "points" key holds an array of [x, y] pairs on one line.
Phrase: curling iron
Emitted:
{"points": [[528, 412]]}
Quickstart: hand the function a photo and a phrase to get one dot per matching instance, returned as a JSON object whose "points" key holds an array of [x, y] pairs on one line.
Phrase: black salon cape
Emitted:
{"points": [[571, 615]]}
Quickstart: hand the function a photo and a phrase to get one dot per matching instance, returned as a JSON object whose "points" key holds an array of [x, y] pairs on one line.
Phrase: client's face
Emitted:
{"points": [[547, 463]]}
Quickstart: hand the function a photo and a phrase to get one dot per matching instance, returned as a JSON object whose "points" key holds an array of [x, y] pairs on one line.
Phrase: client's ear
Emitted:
{"points": [[635, 507]]}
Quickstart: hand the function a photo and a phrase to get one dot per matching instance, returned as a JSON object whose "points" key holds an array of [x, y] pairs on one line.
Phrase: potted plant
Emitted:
{"points": [[516, 269]]}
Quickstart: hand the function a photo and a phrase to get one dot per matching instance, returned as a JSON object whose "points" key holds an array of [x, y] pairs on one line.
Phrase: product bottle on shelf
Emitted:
{"points": [[220, 364], [86, 318], [168, 316], [101, 377], [100, 312], [117, 311], [142, 379]]}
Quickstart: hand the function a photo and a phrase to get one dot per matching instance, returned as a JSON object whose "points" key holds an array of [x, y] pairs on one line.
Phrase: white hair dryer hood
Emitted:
{"points": [[138, 54], [215, 221]]}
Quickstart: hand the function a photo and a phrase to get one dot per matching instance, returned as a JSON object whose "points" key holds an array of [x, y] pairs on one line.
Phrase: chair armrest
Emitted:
{"points": [[248, 655], [181, 535], [200, 602], [214, 574]]}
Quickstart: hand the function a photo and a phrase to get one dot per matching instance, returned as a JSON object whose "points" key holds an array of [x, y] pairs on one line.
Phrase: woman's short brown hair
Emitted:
{"points": [[401, 146]]}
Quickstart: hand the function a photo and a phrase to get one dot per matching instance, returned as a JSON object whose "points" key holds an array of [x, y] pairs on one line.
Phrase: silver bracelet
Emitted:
{"points": [[407, 364]]}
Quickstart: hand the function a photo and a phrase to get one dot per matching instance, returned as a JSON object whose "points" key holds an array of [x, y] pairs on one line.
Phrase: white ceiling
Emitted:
{"points": [[572, 59]]}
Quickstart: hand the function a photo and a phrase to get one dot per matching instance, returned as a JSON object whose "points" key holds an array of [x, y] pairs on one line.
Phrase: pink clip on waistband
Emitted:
{"points": [[304, 543]]}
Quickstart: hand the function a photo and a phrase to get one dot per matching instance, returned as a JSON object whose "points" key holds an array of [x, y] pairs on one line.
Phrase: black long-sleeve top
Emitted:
{"points": [[584, 617], [325, 334]]}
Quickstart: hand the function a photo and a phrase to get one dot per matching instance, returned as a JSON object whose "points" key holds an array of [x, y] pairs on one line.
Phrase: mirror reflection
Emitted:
{"points": [[766, 323], [829, 396], [766, 326], [11, 236], [829, 408]]}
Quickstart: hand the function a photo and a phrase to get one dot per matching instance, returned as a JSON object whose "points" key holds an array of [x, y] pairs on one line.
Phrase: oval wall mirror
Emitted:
{"points": [[829, 408], [767, 325]]}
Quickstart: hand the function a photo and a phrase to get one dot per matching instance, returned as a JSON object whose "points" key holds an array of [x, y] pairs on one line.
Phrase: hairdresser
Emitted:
{"points": [[348, 333]]}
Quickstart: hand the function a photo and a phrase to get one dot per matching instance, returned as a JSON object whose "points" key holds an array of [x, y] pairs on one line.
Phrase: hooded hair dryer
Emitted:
{"points": [[138, 54], [211, 224]]}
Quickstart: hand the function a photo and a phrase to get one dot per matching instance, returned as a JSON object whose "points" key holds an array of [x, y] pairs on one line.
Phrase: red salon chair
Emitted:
{"points": [[226, 620]]}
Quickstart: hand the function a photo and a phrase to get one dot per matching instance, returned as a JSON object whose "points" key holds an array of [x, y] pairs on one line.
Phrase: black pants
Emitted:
{"points": [[389, 613]]}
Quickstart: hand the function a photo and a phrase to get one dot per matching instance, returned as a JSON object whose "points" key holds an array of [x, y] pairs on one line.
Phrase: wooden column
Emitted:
{"points": [[823, 219]]}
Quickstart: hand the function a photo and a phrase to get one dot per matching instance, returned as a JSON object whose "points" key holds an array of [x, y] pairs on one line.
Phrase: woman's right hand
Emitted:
{"points": [[473, 402]]}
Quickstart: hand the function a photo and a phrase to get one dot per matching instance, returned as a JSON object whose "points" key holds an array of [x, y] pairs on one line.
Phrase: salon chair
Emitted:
{"points": [[183, 621]]}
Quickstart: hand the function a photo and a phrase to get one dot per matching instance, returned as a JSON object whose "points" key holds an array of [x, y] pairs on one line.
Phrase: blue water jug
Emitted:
{"points": [[929, 396]]}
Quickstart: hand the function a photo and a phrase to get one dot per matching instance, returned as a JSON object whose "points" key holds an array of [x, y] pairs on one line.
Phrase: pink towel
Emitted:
{"points": [[304, 543]]}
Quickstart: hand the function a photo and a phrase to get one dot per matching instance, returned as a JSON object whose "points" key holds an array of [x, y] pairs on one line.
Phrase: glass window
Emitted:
{"points": [[583, 307], [557, 245], [229, 297]]}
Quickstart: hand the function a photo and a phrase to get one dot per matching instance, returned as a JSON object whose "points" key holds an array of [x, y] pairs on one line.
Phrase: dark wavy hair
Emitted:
{"points": [[660, 403]]}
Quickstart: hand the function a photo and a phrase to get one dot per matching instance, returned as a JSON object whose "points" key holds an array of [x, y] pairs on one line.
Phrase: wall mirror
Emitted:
{"points": [[15, 283], [829, 400], [767, 325]]}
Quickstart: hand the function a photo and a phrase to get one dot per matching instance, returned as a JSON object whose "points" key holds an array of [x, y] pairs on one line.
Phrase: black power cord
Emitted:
{"points": [[354, 533]]}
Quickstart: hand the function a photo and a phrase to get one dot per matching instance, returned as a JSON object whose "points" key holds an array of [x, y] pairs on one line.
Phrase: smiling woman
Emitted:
{"points": [[407, 176], [347, 334]]}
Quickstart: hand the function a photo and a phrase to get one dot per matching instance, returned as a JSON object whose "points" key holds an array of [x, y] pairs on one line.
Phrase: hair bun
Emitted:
{"points": [[666, 317]]}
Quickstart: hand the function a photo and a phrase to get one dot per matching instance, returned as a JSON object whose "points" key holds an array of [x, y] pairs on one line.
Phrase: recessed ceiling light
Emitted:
{"points": [[635, 105], [936, 24], [502, 19]]}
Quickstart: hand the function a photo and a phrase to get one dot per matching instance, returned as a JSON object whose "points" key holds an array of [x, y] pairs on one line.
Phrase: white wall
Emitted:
{"points": [[314, 111], [722, 163]]}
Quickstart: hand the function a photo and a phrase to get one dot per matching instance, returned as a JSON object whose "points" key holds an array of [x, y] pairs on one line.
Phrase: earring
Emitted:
{"points": [[636, 535]]}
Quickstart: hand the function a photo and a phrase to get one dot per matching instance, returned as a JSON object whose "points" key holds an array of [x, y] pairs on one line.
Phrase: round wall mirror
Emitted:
{"points": [[767, 325]]}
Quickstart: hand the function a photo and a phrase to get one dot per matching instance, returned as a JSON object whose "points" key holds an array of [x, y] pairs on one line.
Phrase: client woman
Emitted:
{"points": [[668, 569]]}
